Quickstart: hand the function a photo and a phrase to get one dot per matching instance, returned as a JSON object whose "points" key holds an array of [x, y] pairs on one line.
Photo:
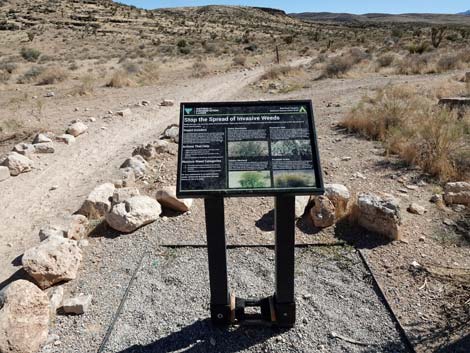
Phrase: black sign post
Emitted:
{"points": [[249, 149]]}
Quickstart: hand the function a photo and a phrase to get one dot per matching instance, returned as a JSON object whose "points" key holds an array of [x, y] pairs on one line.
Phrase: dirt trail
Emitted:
{"points": [[28, 203]]}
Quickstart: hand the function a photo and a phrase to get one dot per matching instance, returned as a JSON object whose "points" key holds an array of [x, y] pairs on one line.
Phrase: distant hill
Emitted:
{"points": [[345, 18], [466, 13]]}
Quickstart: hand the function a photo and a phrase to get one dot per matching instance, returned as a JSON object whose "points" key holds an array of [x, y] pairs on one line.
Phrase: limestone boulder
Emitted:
{"points": [[171, 133], [133, 213], [17, 163], [51, 231], [340, 196], [4, 173], [167, 198], [25, 149], [301, 203], [78, 227], [416, 208], [41, 138], [323, 212], [138, 164], [126, 178], [98, 202], [66, 138], [380, 214], [123, 194], [457, 193], [44, 147], [76, 129], [24, 318], [54, 260]]}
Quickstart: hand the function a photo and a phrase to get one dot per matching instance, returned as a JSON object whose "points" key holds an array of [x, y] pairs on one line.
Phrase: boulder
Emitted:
{"points": [[4, 173], [123, 194], [301, 203], [44, 147], [98, 202], [56, 296], [126, 113], [380, 214], [66, 138], [339, 195], [167, 198], [77, 305], [457, 193], [138, 164], [24, 318], [17, 163], [322, 212], [25, 149], [171, 133], [133, 213], [151, 150], [78, 227], [127, 178], [47, 232], [77, 129], [41, 138], [416, 209], [53, 261]]}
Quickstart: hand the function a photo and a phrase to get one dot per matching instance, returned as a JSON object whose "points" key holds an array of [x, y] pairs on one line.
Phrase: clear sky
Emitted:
{"points": [[350, 6]]}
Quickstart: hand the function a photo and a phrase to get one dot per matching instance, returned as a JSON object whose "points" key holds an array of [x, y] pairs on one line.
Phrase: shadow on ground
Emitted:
{"points": [[357, 236], [201, 336]]}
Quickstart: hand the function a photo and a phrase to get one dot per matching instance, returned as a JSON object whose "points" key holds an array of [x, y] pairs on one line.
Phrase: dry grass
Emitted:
{"points": [[239, 60], [411, 126], [199, 69], [120, 79], [86, 87], [52, 75], [280, 71]]}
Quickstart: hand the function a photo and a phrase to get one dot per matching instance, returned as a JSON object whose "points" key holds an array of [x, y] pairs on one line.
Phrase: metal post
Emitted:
{"points": [[217, 253], [285, 260], [278, 59]]}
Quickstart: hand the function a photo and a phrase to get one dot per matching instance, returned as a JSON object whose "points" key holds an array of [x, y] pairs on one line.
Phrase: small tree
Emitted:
{"points": [[31, 36], [437, 34]]}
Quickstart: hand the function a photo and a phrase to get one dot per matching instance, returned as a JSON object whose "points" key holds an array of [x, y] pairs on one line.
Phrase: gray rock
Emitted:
{"points": [[416, 209], [56, 296], [45, 233], [138, 164], [457, 193], [133, 213], [171, 133], [167, 103], [17, 163], [77, 129], [54, 260], [127, 178], [44, 147], [25, 149], [98, 202], [126, 113], [24, 318], [77, 305], [66, 138], [41, 138], [123, 194], [78, 227], [339, 195], [4, 173], [436, 198], [151, 150]]}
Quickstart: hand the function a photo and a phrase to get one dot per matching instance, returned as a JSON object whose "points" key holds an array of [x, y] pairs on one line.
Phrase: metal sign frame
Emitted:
{"points": [[318, 189]]}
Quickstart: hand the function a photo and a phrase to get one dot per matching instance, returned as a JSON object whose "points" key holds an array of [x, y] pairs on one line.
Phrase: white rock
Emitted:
{"points": [[49, 94], [56, 296], [98, 202], [25, 149], [66, 138], [78, 227], [457, 193], [436, 198], [127, 178], [54, 260], [4, 173], [133, 213], [17, 163], [44, 147], [301, 203], [380, 214], [24, 318], [138, 164], [171, 133], [416, 209], [41, 138], [167, 198], [77, 129], [45, 233], [339, 195], [126, 113], [416, 264], [123, 194], [323, 212], [77, 305], [344, 159], [167, 103]]}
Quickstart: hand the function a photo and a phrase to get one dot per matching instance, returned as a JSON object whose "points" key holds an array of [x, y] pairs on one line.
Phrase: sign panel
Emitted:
{"points": [[248, 149]]}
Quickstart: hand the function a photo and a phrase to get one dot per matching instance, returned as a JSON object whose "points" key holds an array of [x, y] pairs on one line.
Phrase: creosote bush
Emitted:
{"points": [[410, 125], [120, 79], [279, 71], [30, 54], [199, 69], [52, 75], [239, 60], [337, 66], [31, 75]]}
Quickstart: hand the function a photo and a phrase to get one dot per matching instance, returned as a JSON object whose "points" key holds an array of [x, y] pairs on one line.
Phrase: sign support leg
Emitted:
{"points": [[284, 300], [221, 311]]}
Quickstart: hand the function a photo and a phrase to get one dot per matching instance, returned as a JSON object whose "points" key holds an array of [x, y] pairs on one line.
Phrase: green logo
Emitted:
{"points": [[302, 110], [188, 110]]}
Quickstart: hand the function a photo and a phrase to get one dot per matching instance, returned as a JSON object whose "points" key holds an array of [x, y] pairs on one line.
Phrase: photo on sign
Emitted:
{"points": [[248, 149], [299, 148], [294, 179], [249, 180]]}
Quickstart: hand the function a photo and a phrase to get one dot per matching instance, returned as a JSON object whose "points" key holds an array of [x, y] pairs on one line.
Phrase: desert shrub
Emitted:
{"points": [[447, 63], [130, 67], [356, 55], [251, 180], [31, 75], [239, 60], [30, 54], [120, 79], [199, 69], [415, 64], [337, 66], [279, 71], [210, 48], [464, 56], [385, 60], [8, 66], [52, 75], [411, 126], [149, 73], [181, 43], [184, 50], [4, 76], [419, 48], [85, 87]]}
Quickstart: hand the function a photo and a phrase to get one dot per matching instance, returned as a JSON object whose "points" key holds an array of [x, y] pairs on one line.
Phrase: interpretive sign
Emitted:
{"points": [[248, 148]]}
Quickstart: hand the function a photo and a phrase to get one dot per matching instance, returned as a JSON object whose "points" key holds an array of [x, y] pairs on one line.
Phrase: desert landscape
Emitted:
{"points": [[99, 255]]}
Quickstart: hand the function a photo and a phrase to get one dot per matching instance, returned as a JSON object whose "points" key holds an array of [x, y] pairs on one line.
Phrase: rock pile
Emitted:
{"points": [[457, 193]]}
